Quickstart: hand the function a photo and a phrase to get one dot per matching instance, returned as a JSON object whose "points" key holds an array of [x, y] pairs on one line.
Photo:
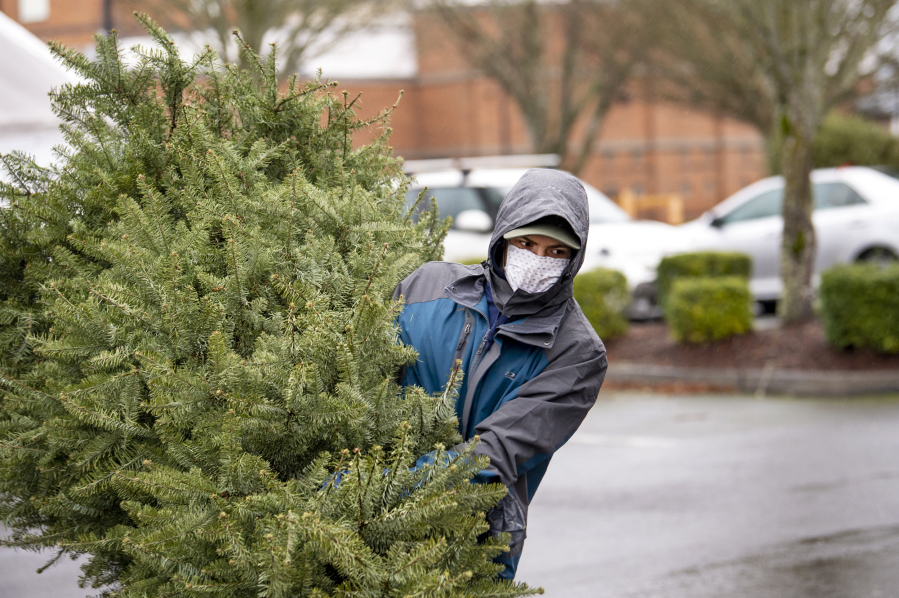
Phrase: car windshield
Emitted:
{"points": [[450, 200]]}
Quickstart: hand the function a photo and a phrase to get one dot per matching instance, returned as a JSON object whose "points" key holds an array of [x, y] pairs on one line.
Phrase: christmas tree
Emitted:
{"points": [[198, 350]]}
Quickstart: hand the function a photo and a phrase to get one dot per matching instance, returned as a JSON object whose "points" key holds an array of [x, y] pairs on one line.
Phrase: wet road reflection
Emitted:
{"points": [[861, 563], [701, 497]]}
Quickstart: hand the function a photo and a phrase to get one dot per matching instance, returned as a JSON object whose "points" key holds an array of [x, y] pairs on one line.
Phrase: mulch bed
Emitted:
{"points": [[800, 347]]}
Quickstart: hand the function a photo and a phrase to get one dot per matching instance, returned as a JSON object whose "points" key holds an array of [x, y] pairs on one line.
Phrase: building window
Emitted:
{"points": [[33, 11]]}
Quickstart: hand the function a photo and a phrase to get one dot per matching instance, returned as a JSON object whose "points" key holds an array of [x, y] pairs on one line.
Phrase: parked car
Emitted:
{"points": [[856, 219], [616, 241]]}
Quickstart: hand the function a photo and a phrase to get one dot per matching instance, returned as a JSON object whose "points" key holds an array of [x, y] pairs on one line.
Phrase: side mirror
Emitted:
{"points": [[717, 222], [473, 221]]}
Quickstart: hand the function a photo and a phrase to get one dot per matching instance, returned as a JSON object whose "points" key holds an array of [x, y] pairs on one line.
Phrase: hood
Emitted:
{"points": [[537, 194]]}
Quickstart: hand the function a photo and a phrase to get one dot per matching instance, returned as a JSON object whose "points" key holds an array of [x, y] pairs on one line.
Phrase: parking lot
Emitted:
{"points": [[692, 497], [710, 496]]}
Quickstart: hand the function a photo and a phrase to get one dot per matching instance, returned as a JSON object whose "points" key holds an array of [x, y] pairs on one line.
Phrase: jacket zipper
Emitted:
{"points": [[464, 336], [477, 357]]}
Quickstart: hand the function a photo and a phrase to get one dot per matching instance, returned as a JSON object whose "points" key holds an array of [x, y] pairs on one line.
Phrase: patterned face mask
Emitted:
{"points": [[530, 272]]}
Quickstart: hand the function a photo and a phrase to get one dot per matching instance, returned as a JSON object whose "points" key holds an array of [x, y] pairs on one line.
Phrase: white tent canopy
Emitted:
{"points": [[384, 50], [27, 74]]}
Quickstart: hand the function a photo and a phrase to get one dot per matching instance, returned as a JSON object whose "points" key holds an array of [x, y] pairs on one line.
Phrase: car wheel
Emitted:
{"points": [[880, 256]]}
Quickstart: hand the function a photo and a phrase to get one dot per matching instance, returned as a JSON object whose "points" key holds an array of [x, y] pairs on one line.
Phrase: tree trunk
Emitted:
{"points": [[774, 147], [797, 253]]}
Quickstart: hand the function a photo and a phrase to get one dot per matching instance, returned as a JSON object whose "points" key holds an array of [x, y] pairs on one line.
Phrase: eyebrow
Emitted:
{"points": [[529, 240]]}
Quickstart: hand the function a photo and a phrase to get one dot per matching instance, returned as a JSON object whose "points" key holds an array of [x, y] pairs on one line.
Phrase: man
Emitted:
{"points": [[533, 364]]}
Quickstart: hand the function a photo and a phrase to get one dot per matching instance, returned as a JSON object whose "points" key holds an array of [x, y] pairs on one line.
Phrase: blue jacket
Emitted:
{"points": [[527, 392]]}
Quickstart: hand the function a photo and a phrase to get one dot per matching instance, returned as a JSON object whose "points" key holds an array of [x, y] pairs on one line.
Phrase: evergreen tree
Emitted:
{"points": [[198, 349]]}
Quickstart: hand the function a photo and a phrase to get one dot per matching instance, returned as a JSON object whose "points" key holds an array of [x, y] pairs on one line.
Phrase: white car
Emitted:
{"points": [[856, 218], [616, 241]]}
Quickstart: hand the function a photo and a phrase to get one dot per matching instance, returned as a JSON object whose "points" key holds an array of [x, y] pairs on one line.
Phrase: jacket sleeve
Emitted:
{"points": [[546, 412]]}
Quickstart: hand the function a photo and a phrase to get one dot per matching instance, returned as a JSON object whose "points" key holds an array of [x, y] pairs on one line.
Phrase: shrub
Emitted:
{"points": [[860, 306], [700, 263], [704, 309], [854, 140], [603, 296]]}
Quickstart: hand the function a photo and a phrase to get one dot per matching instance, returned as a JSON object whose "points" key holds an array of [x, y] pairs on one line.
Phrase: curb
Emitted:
{"points": [[762, 381]]}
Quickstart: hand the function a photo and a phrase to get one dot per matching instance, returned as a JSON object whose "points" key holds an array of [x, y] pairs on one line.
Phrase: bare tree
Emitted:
{"points": [[300, 27], [781, 65], [563, 62]]}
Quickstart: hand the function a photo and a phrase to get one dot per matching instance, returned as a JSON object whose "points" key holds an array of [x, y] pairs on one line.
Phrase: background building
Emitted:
{"points": [[449, 109]]}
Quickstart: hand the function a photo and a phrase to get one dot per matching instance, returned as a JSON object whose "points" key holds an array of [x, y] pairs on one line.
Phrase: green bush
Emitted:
{"points": [[700, 263], [704, 309], [860, 306], [854, 140], [603, 297]]}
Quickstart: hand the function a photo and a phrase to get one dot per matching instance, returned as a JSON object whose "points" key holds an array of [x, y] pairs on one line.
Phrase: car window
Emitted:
{"points": [[835, 195], [770, 203], [450, 200], [767, 204], [494, 197]]}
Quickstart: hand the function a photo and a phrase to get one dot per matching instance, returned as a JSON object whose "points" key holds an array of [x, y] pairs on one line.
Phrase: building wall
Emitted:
{"points": [[379, 96], [649, 147], [72, 22], [451, 110]]}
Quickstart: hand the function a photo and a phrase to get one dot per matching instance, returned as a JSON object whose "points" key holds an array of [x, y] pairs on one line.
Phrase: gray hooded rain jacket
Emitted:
{"points": [[526, 392]]}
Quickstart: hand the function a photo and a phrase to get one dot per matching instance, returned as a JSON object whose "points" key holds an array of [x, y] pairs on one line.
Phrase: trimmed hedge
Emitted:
{"points": [[699, 310], [860, 306], [603, 297], [700, 263], [849, 139]]}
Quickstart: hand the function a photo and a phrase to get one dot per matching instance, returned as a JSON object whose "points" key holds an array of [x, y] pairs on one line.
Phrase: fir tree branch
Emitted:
{"points": [[5, 378], [101, 420], [123, 308], [24, 448], [97, 482], [51, 562], [146, 356], [359, 494], [346, 109], [225, 181], [198, 492], [15, 174]]}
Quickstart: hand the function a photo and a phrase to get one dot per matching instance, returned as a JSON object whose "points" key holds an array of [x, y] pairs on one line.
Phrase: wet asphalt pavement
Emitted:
{"points": [[701, 497], [692, 497]]}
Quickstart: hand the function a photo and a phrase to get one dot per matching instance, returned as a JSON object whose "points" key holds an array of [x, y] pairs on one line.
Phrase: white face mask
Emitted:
{"points": [[531, 273]]}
